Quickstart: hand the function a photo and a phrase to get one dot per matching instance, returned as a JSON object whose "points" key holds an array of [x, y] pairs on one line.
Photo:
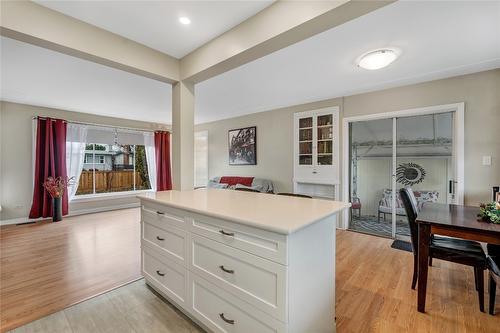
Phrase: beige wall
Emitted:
{"points": [[16, 156], [479, 91], [274, 144]]}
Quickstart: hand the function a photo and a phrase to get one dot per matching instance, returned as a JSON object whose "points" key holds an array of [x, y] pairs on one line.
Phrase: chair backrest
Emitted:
{"points": [[295, 195], [409, 204], [246, 189]]}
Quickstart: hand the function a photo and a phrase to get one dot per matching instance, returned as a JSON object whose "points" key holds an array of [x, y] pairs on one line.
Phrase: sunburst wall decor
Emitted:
{"points": [[410, 174]]}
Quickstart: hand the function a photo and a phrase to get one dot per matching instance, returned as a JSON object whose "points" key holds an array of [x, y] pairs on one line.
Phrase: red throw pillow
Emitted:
{"points": [[247, 181]]}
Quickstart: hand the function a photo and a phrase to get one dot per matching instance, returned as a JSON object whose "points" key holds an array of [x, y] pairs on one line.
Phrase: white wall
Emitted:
{"points": [[374, 175]]}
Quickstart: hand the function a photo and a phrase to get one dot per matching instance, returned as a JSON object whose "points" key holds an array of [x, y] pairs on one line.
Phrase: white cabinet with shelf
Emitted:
{"points": [[316, 151]]}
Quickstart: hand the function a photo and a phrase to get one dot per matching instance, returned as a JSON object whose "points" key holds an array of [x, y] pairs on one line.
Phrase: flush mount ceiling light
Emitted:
{"points": [[184, 20], [378, 58]]}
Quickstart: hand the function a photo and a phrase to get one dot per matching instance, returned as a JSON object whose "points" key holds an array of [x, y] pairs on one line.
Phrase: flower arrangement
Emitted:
{"points": [[56, 186], [489, 212]]}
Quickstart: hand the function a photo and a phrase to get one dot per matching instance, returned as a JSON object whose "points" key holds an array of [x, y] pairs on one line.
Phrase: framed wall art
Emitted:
{"points": [[243, 146]]}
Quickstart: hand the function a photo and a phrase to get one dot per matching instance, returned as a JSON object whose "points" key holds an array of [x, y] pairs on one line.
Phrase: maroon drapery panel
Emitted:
{"points": [[50, 160], [162, 150]]}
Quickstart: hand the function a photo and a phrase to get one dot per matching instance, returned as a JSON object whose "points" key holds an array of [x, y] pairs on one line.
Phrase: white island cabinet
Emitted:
{"points": [[242, 262]]}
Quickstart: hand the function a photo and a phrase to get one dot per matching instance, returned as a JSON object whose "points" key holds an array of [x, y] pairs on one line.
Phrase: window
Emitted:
{"points": [[200, 158], [114, 162]]}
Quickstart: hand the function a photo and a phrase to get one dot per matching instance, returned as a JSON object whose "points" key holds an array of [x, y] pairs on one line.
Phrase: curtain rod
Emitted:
{"points": [[113, 126]]}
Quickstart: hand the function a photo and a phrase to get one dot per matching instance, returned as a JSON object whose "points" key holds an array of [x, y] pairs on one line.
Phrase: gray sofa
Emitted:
{"points": [[259, 184]]}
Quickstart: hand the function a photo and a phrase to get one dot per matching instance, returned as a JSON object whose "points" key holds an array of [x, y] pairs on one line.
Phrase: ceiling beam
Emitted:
{"points": [[280, 25], [32, 23]]}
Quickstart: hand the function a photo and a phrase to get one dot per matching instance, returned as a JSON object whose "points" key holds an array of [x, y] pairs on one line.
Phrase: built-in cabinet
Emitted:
{"points": [[316, 152]]}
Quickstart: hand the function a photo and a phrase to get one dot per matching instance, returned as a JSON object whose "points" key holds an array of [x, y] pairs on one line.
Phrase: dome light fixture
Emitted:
{"points": [[184, 20], [378, 59]]}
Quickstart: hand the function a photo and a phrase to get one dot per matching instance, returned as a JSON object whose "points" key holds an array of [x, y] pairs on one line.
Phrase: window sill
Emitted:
{"points": [[107, 196]]}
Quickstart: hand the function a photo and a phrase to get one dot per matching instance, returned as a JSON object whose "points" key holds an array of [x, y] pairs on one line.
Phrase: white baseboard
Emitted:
{"points": [[22, 220]]}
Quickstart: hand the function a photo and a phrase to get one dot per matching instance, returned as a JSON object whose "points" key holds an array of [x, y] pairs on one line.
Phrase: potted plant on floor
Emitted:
{"points": [[56, 188]]}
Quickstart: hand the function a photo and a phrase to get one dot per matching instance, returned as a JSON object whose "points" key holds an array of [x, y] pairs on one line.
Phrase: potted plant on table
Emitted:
{"points": [[56, 188], [490, 212]]}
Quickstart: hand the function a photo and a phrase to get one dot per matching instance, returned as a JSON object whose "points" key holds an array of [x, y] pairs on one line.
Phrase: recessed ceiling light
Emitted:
{"points": [[378, 58], [184, 20]]}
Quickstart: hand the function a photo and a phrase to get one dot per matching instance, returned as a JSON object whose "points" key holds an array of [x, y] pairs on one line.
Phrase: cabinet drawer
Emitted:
{"points": [[160, 215], [167, 276], [258, 281], [169, 241], [260, 242], [222, 312]]}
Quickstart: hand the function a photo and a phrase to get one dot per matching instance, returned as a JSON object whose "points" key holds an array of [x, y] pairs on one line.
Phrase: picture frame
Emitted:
{"points": [[242, 146]]}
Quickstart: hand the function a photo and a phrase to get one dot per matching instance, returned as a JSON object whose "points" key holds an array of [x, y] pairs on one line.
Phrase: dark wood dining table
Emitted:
{"points": [[448, 220]]}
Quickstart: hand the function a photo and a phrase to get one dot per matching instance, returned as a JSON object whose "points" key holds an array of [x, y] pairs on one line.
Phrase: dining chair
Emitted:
{"points": [[246, 189], [494, 268], [460, 251], [295, 195]]}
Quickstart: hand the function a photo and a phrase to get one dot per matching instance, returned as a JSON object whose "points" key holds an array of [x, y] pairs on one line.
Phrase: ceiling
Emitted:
{"points": [[156, 23], [37, 76], [437, 39]]}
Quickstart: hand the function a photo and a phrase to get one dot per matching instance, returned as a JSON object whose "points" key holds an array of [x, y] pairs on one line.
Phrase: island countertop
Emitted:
{"points": [[276, 213]]}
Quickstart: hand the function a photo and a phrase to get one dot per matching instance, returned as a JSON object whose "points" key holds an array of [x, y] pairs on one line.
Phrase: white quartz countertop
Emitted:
{"points": [[281, 214]]}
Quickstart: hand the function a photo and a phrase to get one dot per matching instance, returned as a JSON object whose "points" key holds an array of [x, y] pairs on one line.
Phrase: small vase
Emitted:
{"points": [[57, 209]]}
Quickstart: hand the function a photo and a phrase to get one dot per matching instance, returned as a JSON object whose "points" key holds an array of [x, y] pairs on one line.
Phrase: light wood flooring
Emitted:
{"points": [[43, 267], [46, 267]]}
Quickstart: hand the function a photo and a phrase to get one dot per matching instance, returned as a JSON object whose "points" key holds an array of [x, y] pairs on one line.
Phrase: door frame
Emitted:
{"points": [[458, 145]]}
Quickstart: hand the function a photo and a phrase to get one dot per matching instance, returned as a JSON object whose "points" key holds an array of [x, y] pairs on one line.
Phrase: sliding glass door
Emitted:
{"points": [[371, 151], [388, 154]]}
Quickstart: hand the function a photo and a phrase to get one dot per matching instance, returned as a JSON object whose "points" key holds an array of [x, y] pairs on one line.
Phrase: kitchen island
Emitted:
{"points": [[240, 261]]}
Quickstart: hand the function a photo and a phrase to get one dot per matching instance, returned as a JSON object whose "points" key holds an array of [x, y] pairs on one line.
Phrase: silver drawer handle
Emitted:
{"points": [[226, 233], [159, 238], [229, 321], [160, 273], [160, 213], [230, 271]]}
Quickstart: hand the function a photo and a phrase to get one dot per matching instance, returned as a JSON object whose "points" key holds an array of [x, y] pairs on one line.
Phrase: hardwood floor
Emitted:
{"points": [[373, 286], [47, 267]]}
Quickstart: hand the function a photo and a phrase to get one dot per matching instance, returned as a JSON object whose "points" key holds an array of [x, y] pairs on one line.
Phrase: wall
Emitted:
{"points": [[374, 175], [479, 91], [16, 168], [274, 144]]}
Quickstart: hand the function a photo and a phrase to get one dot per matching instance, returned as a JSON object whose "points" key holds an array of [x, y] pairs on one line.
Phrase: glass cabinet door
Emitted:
{"points": [[324, 130], [306, 141]]}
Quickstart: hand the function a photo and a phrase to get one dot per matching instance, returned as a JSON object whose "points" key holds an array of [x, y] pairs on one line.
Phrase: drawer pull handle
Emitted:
{"points": [[226, 233], [230, 271], [159, 238], [160, 273], [229, 321]]}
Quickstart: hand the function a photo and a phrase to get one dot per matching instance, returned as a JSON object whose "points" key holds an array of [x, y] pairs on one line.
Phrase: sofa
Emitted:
{"points": [[385, 204], [234, 182]]}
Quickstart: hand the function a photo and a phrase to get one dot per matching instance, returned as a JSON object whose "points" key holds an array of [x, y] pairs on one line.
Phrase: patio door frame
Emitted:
{"points": [[458, 149]]}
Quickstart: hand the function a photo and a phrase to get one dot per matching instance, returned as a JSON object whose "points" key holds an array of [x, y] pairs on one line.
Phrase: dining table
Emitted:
{"points": [[453, 221]]}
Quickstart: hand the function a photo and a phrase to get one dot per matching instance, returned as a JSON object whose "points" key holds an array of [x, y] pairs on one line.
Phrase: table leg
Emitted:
{"points": [[424, 239]]}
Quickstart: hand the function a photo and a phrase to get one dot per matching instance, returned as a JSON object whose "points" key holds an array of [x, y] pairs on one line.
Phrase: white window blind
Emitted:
{"points": [[200, 158]]}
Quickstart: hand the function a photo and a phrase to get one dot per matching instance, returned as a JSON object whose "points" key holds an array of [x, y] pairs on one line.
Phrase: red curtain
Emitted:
{"points": [[50, 160], [162, 150]]}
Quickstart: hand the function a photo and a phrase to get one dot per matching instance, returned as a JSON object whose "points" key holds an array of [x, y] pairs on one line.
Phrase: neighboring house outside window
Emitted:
{"points": [[113, 168]]}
